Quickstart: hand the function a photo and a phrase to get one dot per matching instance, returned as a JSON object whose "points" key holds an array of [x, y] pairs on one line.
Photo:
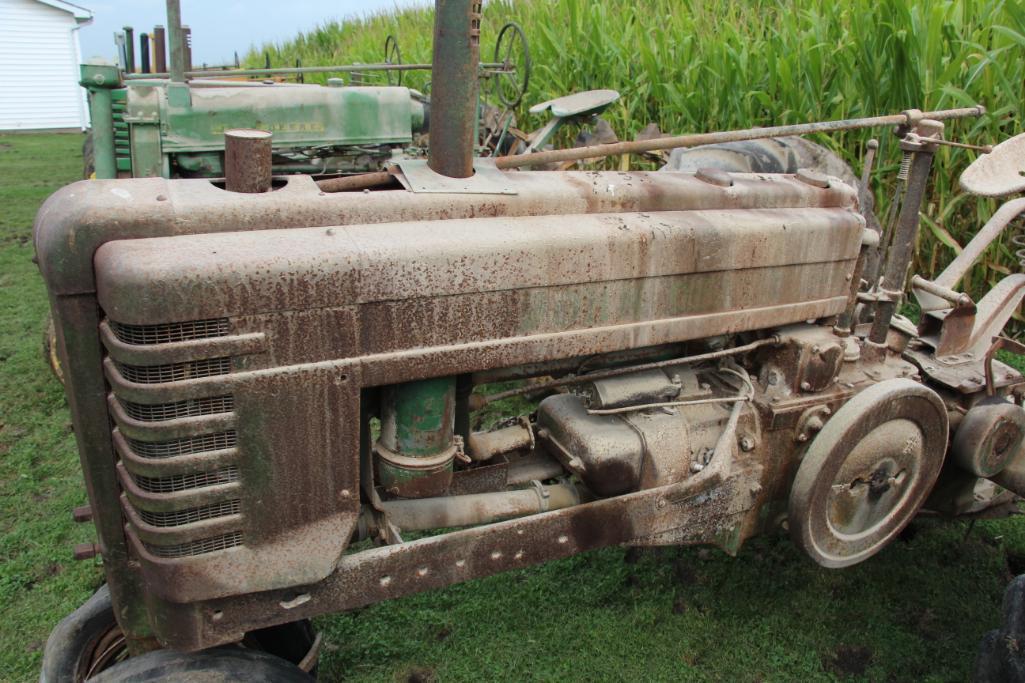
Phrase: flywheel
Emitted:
{"points": [[867, 472]]}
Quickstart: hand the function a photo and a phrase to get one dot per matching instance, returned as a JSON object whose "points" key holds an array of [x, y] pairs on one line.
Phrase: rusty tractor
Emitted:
{"points": [[260, 379]]}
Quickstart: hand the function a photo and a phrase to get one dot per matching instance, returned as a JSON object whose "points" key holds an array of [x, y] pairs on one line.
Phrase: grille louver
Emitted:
{"points": [[174, 372], [192, 407], [200, 547], [185, 482], [186, 446], [168, 333], [191, 515], [172, 495]]}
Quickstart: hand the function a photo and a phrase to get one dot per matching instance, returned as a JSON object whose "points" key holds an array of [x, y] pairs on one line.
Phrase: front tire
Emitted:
{"points": [[88, 645], [230, 664]]}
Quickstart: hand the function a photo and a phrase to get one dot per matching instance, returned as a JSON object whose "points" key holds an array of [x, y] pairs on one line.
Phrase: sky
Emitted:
{"points": [[219, 27]]}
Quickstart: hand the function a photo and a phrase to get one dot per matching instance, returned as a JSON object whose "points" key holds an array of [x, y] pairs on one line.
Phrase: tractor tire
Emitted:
{"points": [[50, 355], [88, 157], [219, 665], [87, 645], [1001, 657], [80, 641]]}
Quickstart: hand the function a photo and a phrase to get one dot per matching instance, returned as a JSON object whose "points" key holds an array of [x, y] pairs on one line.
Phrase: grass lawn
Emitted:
{"points": [[915, 612]]}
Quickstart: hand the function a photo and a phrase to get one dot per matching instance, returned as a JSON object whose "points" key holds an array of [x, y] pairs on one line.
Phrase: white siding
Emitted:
{"points": [[38, 68]]}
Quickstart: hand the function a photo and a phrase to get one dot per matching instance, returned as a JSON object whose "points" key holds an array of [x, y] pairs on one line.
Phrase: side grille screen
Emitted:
{"points": [[174, 372], [205, 545], [184, 482], [170, 411], [187, 446], [166, 333], [191, 515], [184, 494]]}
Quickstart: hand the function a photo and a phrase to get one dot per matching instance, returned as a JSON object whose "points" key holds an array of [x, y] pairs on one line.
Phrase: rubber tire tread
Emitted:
{"points": [[76, 635], [230, 664]]}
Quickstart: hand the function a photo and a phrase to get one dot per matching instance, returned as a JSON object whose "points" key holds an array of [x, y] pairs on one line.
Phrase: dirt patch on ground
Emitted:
{"points": [[417, 674], [848, 660]]}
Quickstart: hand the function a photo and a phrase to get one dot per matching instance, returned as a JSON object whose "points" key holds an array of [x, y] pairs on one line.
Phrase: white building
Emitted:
{"points": [[39, 58]]}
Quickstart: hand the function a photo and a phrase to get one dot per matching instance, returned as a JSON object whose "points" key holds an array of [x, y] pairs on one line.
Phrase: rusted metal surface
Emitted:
{"points": [[247, 160], [481, 508], [899, 254], [454, 87]]}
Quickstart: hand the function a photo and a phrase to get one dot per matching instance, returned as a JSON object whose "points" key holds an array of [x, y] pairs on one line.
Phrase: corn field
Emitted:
{"points": [[698, 66]]}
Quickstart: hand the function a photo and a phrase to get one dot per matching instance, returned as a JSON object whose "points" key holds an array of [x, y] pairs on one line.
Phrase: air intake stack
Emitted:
{"points": [[454, 87]]}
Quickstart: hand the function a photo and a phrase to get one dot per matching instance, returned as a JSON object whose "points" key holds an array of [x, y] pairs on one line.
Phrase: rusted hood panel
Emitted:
{"points": [[230, 274], [80, 217]]}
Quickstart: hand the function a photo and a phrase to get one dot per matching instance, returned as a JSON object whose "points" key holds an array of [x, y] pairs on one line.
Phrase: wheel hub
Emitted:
{"points": [[867, 472]]}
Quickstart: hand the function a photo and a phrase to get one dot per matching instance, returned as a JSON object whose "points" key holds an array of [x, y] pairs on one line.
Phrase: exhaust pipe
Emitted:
{"points": [[159, 54], [144, 64], [454, 87], [175, 41]]}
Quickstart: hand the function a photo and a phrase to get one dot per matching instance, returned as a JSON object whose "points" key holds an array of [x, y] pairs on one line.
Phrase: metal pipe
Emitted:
{"points": [[247, 160], [175, 42], [159, 53], [144, 63], [340, 68], [354, 183], [479, 508], [454, 87], [953, 273], [533, 468], [486, 445], [949, 295], [898, 259], [102, 117], [615, 372], [129, 49], [693, 140]]}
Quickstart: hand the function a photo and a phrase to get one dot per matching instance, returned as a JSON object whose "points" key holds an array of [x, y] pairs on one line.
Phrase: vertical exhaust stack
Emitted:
{"points": [[159, 55], [247, 160], [144, 63], [454, 87], [175, 43]]}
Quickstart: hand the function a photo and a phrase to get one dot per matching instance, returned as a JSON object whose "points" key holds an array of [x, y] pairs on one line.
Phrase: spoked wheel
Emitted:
{"points": [[393, 56], [867, 472], [88, 645], [512, 78]]}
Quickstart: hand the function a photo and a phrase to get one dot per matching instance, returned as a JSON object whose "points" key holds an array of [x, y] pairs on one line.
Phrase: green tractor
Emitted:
{"points": [[171, 124]]}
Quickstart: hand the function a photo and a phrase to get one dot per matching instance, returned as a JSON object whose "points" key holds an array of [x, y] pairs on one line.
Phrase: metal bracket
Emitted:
{"points": [[417, 176], [999, 343]]}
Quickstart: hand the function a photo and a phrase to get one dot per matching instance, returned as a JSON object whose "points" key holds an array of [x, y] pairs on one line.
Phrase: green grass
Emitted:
{"points": [[40, 479], [915, 612], [696, 66]]}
